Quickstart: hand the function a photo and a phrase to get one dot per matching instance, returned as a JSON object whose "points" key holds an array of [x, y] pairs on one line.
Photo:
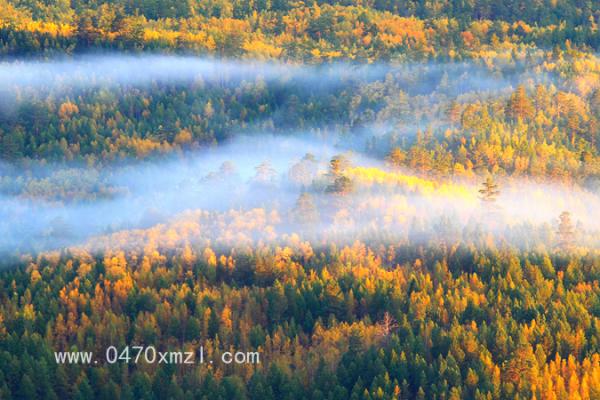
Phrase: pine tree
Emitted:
{"points": [[339, 183], [337, 165], [396, 158], [566, 231], [489, 192], [386, 326], [27, 389], [520, 104], [265, 173], [305, 211]]}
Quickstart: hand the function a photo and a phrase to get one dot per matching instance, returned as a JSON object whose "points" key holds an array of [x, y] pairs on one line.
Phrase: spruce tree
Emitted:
{"points": [[566, 231]]}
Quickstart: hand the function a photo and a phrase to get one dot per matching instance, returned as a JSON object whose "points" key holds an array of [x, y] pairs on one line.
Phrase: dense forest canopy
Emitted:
{"points": [[383, 199], [311, 31]]}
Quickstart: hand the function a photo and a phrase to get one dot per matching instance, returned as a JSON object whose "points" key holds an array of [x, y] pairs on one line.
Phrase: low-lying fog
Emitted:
{"points": [[266, 172], [54, 206], [116, 69]]}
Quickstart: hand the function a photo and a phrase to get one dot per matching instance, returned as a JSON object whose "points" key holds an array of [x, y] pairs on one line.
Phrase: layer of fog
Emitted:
{"points": [[140, 195], [117, 69], [271, 172]]}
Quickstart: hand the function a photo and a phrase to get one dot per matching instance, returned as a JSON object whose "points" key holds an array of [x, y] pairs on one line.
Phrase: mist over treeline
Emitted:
{"points": [[113, 69], [220, 135], [322, 192]]}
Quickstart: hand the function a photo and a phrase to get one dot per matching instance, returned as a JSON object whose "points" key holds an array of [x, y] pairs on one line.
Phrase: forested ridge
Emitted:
{"points": [[384, 199], [487, 323], [446, 119], [306, 31]]}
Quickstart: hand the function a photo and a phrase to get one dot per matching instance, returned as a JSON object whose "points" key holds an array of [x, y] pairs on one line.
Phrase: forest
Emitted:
{"points": [[363, 199]]}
